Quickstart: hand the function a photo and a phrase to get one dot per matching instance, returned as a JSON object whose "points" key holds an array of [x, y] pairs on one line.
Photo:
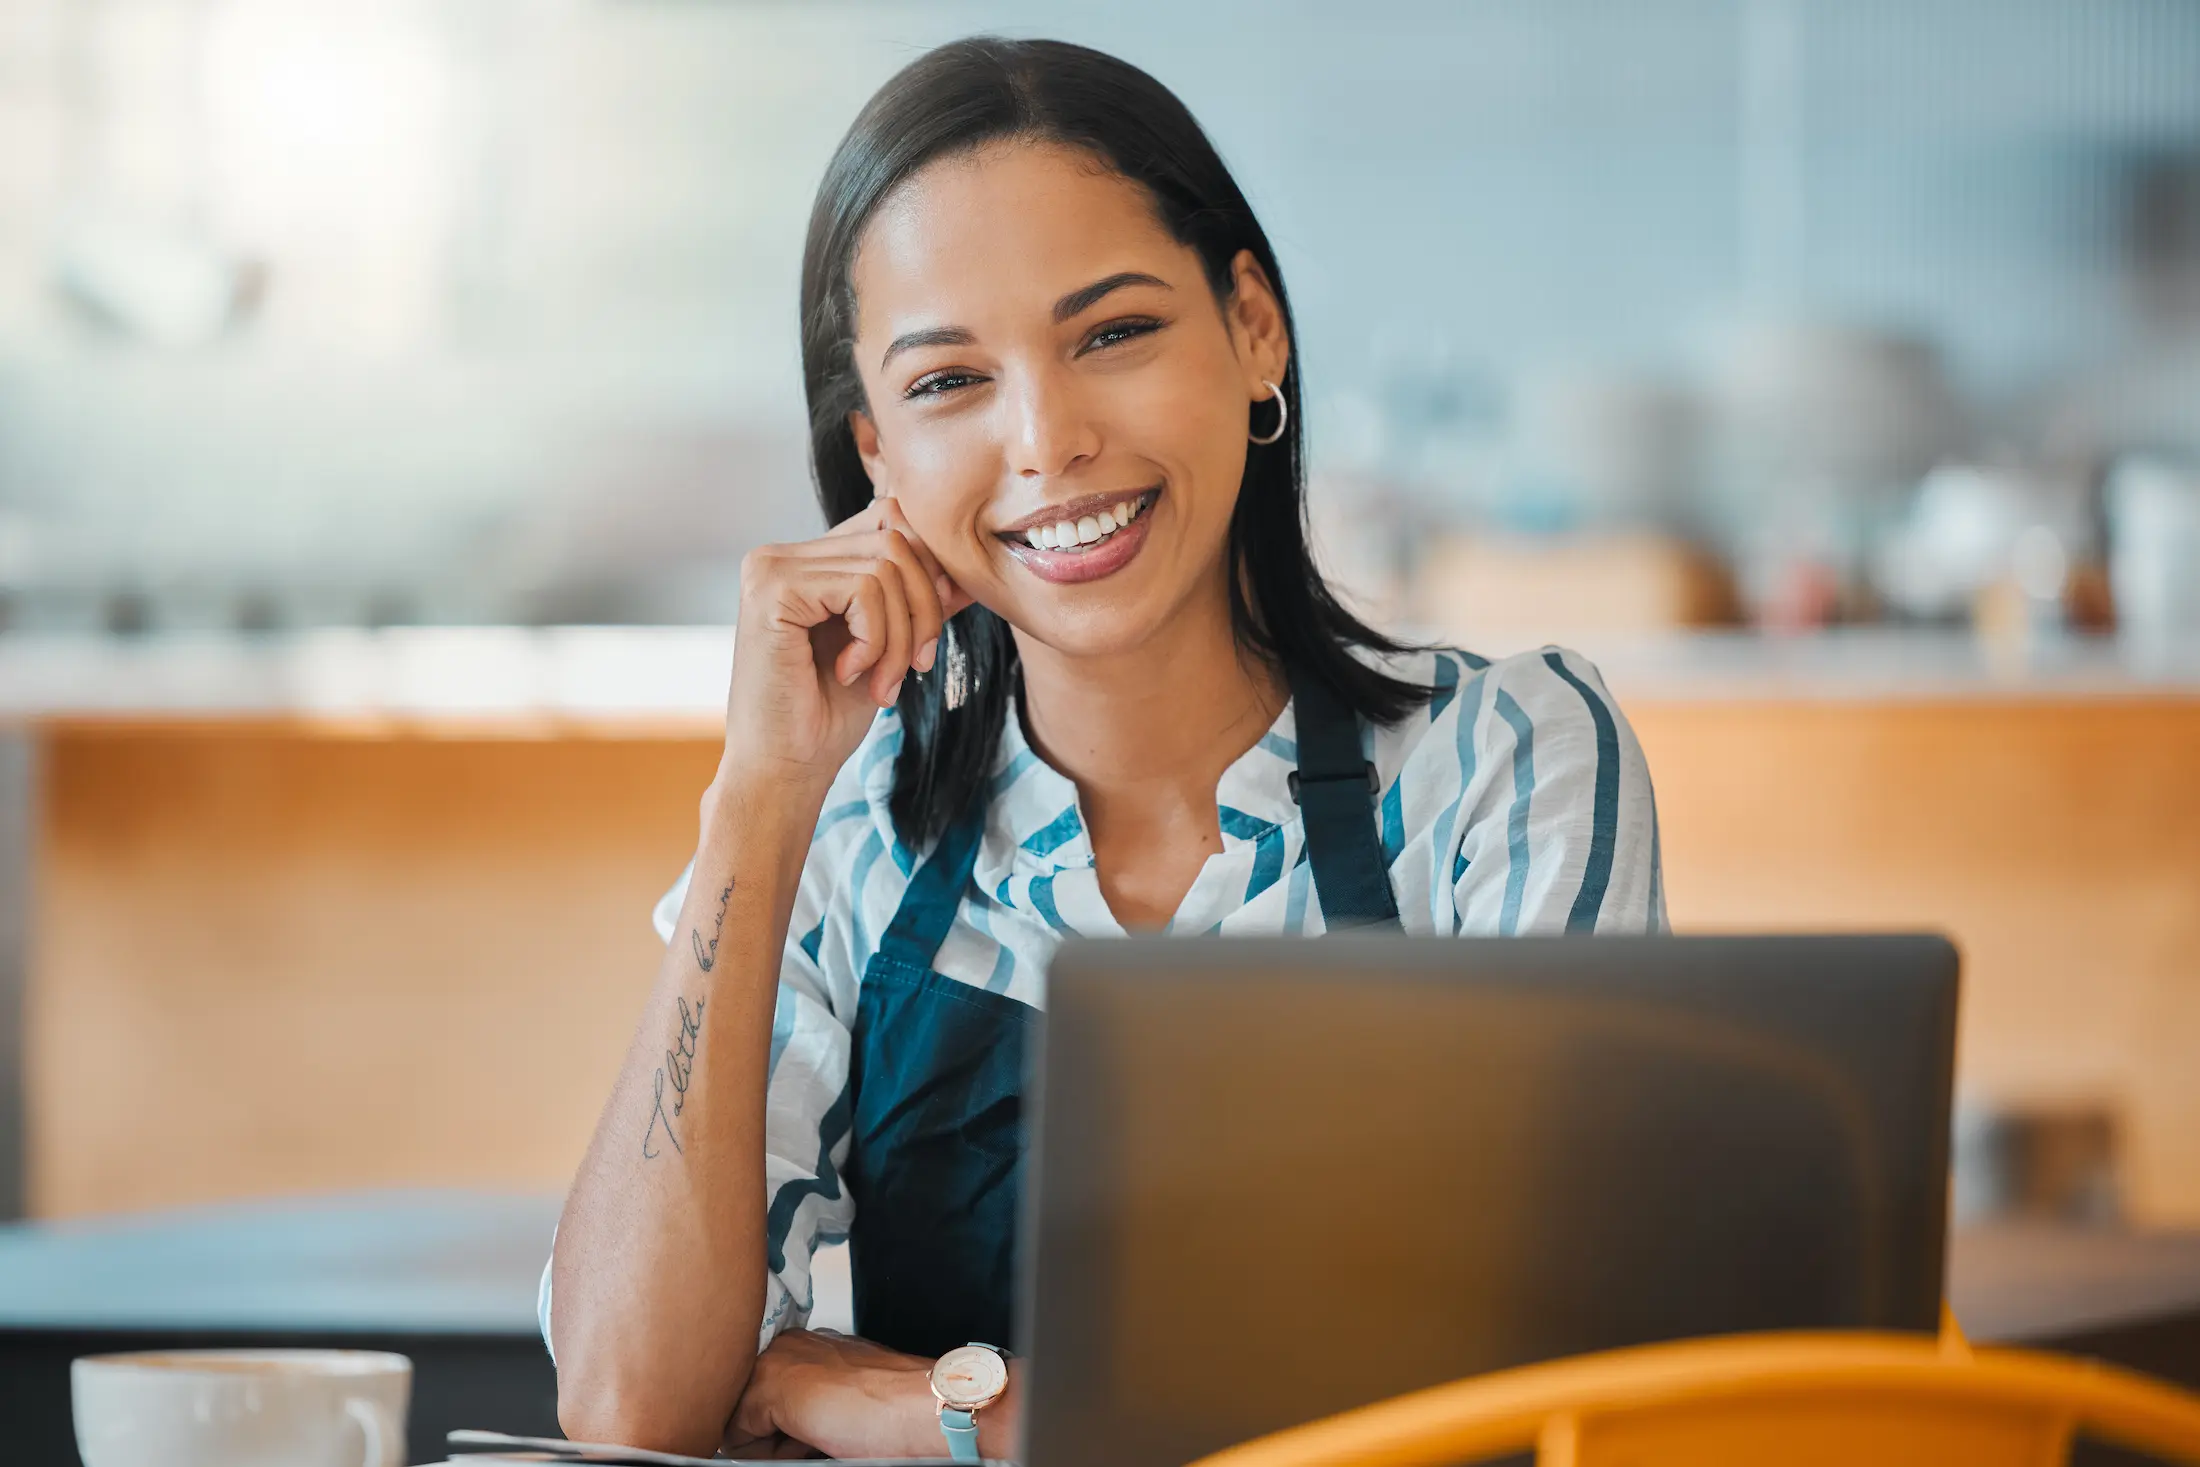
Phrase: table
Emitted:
{"points": [[448, 1277]]}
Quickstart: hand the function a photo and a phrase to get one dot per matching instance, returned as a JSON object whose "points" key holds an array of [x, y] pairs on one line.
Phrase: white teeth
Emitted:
{"points": [[1087, 529]]}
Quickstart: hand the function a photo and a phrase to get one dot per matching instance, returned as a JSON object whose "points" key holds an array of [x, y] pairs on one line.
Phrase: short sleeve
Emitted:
{"points": [[806, 1114], [1561, 827]]}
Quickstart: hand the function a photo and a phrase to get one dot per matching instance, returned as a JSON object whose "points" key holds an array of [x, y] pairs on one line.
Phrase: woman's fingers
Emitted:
{"points": [[893, 629], [927, 619], [890, 517], [885, 513], [951, 597], [904, 560], [860, 601], [900, 639], [752, 1430], [866, 594], [876, 609]]}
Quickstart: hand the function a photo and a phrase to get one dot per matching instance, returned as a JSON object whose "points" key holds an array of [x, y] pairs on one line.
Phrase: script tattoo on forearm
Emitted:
{"points": [[678, 1070], [706, 958], [675, 1075]]}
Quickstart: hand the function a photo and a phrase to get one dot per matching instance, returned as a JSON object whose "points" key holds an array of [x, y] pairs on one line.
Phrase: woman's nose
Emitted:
{"points": [[1051, 430]]}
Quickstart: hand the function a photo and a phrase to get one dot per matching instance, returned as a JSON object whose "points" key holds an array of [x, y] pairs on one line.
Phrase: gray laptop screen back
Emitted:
{"points": [[1276, 1179]]}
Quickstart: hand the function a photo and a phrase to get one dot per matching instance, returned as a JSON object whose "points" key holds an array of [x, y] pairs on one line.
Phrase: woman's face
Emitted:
{"points": [[1056, 397]]}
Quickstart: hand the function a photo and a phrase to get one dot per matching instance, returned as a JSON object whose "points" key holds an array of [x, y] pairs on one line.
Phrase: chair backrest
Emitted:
{"points": [[1807, 1400]]}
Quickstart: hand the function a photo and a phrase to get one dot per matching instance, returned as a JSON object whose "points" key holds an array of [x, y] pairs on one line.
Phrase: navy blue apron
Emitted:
{"points": [[937, 1070]]}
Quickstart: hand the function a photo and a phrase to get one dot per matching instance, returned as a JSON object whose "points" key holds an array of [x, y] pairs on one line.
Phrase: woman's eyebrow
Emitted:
{"points": [[929, 336], [1081, 299]]}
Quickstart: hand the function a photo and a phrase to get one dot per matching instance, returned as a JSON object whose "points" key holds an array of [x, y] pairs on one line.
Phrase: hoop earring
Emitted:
{"points": [[1283, 414], [954, 670]]}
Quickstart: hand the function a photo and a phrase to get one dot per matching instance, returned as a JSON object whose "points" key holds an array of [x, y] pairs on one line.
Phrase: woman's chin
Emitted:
{"points": [[1100, 629]]}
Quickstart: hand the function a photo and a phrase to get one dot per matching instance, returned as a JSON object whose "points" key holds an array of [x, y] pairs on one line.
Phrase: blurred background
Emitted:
{"points": [[390, 388], [351, 313]]}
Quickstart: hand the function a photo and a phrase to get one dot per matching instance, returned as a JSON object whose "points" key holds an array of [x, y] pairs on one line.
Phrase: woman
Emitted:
{"points": [[1063, 664]]}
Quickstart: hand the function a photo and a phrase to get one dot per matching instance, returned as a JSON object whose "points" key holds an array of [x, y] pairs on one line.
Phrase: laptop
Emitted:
{"points": [[1275, 1179]]}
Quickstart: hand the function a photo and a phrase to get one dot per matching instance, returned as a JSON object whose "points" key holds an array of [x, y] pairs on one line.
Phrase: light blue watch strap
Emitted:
{"points": [[961, 1430]]}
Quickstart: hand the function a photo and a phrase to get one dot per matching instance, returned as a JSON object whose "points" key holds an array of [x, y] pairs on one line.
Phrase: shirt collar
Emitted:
{"points": [[1035, 825], [1257, 785]]}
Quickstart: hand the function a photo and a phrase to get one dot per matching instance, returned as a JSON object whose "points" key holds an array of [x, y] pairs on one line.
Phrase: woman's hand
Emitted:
{"points": [[818, 1390], [828, 629], [839, 1395]]}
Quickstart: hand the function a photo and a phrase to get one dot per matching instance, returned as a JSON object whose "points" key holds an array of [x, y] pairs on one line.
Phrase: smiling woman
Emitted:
{"points": [[1062, 665], [1052, 257]]}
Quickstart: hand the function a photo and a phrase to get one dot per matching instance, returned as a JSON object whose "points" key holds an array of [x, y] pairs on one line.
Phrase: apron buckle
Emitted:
{"points": [[1374, 782]]}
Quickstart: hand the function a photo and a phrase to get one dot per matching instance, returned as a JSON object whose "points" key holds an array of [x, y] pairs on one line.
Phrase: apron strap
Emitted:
{"points": [[1336, 787], [934, 894]]}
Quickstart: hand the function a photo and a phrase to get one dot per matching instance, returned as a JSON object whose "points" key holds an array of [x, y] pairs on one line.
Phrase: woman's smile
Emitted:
{"points": [[1084, 539]]}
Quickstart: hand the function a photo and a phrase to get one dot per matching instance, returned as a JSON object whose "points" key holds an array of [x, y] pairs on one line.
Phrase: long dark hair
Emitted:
{"points": [[951, 100]]}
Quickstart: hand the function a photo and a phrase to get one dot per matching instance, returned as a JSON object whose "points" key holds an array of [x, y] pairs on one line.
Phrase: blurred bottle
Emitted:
{"points": [[2154, 555], [2021, 612]]}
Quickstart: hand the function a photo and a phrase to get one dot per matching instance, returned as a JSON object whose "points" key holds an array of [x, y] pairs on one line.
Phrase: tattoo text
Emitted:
{"points": [[706, 958], [675, 1074]]}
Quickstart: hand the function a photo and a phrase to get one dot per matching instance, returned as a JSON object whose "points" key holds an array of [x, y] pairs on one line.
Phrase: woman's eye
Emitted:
{"points": [[951, 379], [1115, 333], [938, 384]]}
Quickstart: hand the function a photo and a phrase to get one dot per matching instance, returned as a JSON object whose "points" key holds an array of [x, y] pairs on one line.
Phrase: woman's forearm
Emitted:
{"points": [[658, 1280]]}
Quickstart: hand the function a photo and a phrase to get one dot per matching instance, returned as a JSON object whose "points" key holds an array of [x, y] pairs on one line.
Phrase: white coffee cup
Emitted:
{"points": [[241, 1408]]}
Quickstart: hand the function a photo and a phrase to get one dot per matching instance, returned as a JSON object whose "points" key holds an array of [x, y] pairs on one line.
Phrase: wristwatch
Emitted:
{"points": [[964, 1381]]}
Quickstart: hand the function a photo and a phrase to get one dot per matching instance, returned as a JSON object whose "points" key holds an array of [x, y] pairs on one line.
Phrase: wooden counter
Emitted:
{"points": [[292, 945], [2057, 842], [269, 960]]}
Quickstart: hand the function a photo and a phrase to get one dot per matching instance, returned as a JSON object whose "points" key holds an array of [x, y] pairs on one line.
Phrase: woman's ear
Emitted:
{"points": [[865, 433], [1256, 321]]}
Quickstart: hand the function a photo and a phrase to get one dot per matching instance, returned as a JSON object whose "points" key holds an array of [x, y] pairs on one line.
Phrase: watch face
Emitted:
{"points": [[969, 1376]]}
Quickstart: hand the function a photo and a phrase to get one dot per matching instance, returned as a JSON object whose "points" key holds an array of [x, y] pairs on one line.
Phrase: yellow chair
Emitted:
{"points": [[1768, 1400]]}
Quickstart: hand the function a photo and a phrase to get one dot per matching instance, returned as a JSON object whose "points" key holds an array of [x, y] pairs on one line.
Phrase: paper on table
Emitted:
{"points": [[550, 1449], [494, 1446]]}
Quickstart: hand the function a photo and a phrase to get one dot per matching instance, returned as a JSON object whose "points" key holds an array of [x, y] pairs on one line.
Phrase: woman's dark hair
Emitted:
{"points": [[951, 100]]}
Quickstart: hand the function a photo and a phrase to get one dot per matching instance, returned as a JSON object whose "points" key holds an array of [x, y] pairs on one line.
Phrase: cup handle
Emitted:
{"points": [[385, 1441]]}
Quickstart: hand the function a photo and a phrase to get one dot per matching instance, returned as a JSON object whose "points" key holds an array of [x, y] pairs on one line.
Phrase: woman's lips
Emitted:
{"points": [[1105, 558]]}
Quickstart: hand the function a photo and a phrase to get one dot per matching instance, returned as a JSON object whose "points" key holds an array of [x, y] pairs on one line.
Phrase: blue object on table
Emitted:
{"points": [[409, 1262]]}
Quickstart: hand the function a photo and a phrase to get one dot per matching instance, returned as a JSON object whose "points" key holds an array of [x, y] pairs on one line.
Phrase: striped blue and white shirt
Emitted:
{"points": [[1515, 801]]}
